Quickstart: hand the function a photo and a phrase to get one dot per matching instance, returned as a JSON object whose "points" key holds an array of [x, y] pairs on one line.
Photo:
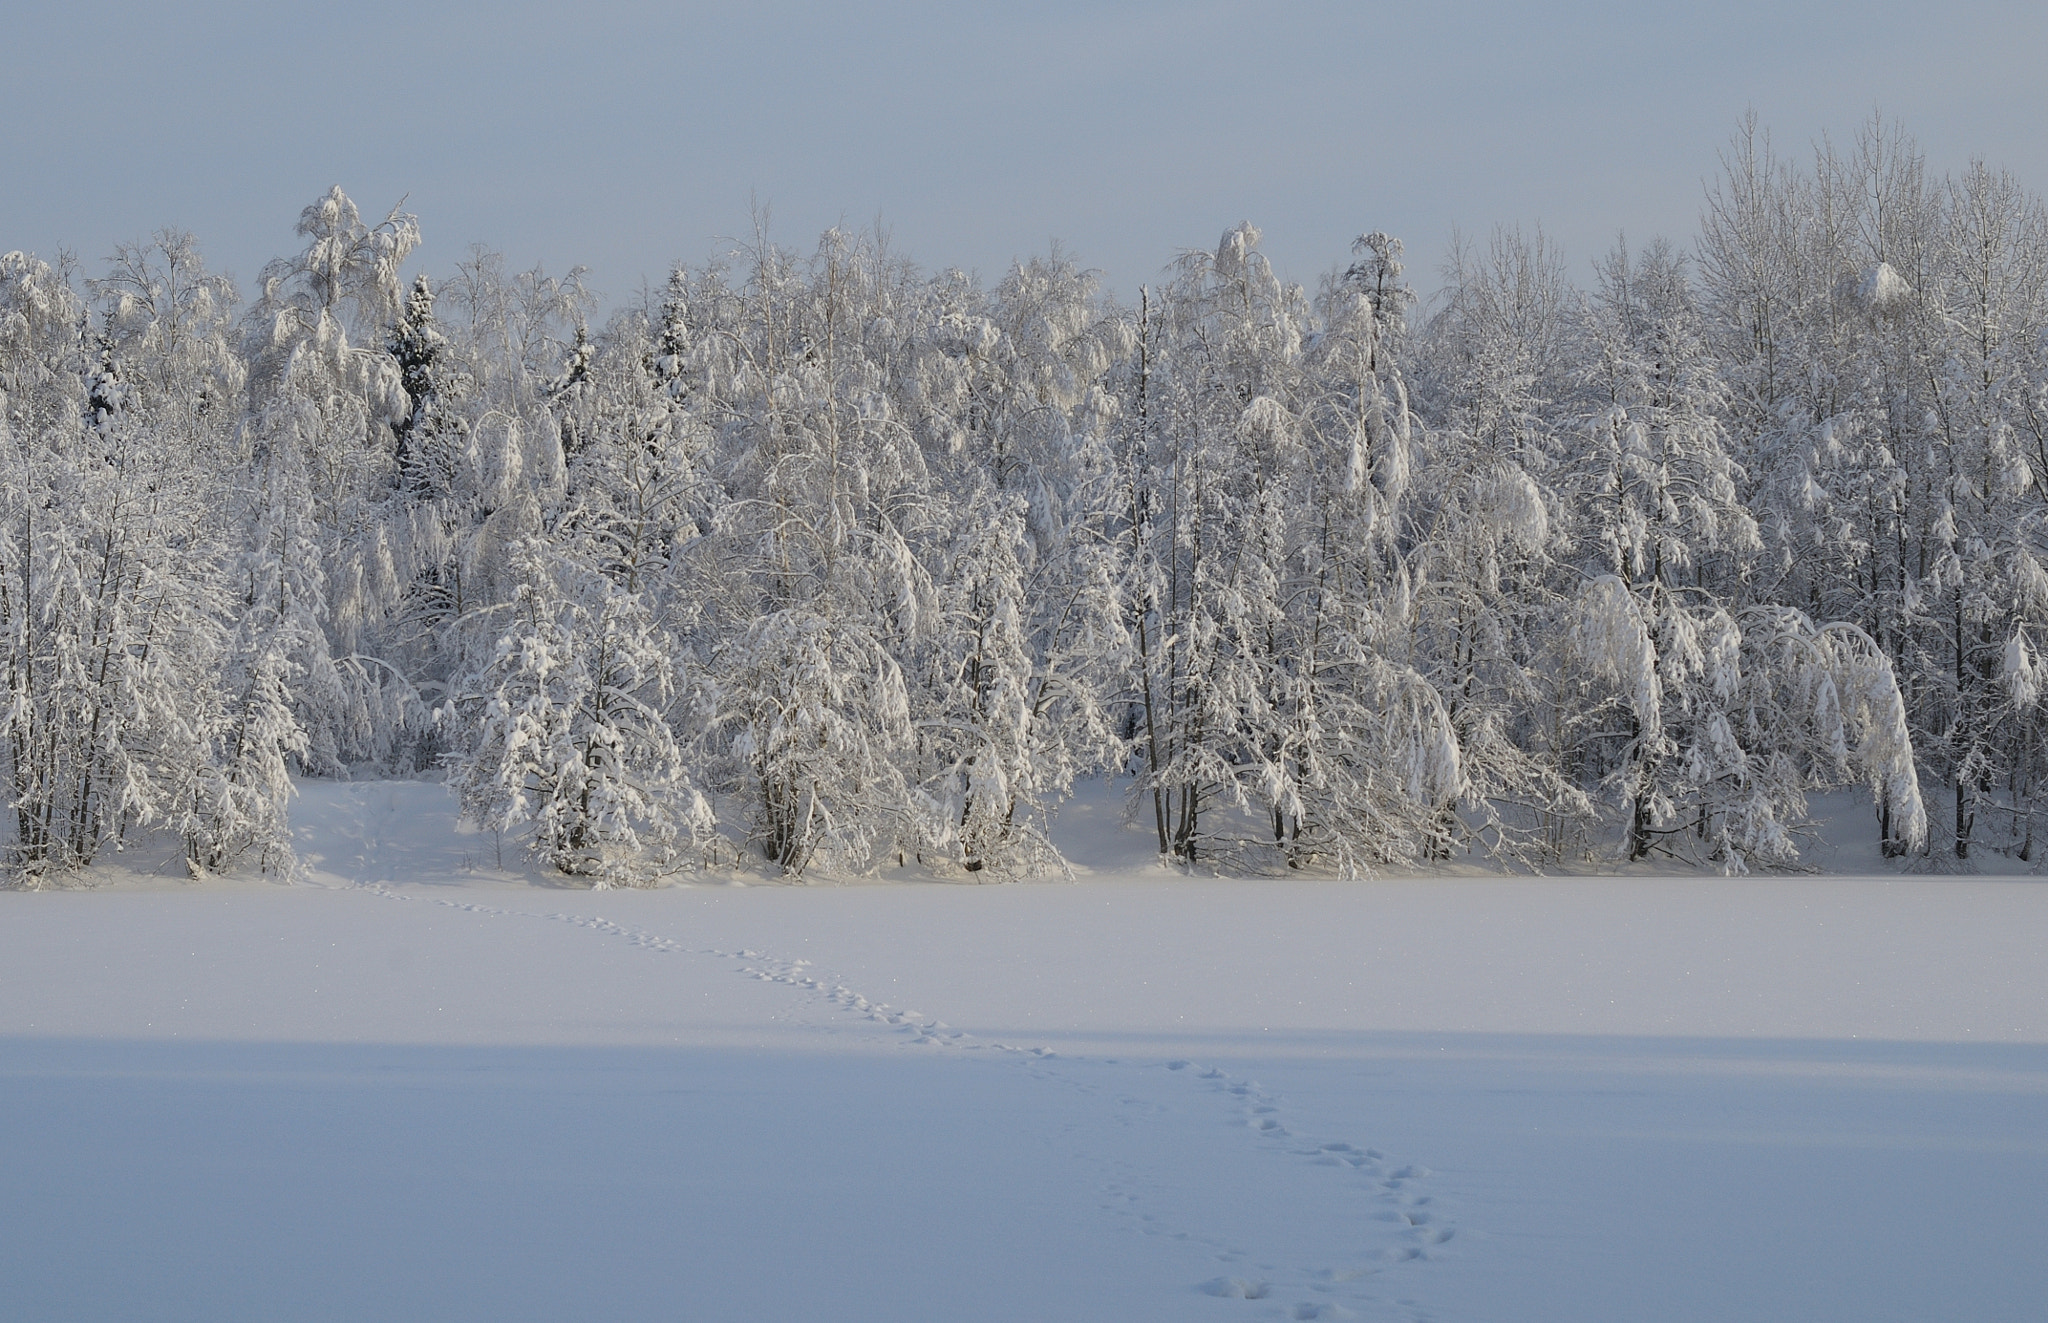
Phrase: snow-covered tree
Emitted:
{"points": [[575, 741], [325, 563], [1280, 698], [1478, 602], [239, 795], [1670, 543], [114, 537], [826, 596], [1980, 587]]}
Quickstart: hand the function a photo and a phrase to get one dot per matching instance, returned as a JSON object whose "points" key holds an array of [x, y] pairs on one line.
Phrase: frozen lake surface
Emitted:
{"points": [[414, 1086]]}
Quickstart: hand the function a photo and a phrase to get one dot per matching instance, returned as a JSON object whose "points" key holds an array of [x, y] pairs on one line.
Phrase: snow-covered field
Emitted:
{"points": [[415, 1086]]}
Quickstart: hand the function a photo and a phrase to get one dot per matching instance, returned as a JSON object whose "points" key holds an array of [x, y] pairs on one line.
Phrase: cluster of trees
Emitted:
{"points": [[842, 563]]}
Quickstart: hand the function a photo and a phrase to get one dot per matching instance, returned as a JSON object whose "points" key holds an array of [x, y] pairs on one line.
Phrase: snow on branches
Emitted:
{"points": [[828, 561]]}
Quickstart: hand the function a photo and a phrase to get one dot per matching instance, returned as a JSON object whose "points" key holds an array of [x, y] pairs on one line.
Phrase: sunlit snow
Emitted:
{"points": [[415, 1085]]}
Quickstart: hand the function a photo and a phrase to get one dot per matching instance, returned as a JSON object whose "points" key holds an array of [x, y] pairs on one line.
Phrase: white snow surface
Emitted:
{"points": [[415, 1085]]}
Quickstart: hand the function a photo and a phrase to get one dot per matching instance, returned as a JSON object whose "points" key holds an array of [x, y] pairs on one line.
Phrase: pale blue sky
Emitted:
{"points": [[626, 136]]}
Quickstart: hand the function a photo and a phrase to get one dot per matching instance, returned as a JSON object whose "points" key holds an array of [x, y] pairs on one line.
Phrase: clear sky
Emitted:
{"points": [[627, 136]]}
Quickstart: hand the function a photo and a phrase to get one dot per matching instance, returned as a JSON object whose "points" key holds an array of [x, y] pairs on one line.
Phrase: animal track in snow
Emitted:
{"points": [[1413, 1223], [1415, 1228]]}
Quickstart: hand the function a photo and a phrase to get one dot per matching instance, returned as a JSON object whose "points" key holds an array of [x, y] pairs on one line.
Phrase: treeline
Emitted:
{"points": [[838, 562]]}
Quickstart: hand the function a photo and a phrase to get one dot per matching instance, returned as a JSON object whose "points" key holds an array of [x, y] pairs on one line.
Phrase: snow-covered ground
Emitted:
{"points": [[418, 1086]]}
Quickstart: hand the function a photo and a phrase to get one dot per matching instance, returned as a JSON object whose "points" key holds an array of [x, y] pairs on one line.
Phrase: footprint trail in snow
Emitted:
{"points": [[1400, 1221]]}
